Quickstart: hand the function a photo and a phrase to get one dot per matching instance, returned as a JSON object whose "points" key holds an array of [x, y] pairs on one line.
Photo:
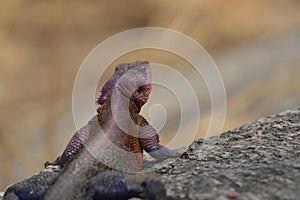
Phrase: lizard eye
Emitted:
{"points": [[140, 90]]}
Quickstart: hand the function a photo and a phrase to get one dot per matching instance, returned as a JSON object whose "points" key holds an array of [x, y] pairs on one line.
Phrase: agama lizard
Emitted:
{"points": [[93, 163]]}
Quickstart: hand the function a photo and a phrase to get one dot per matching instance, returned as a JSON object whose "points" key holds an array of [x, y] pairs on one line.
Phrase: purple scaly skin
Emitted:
{"points": [[92, 145]]}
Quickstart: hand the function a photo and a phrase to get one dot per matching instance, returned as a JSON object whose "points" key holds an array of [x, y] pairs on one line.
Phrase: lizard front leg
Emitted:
{"points": [[149, 140], [74, 146]]}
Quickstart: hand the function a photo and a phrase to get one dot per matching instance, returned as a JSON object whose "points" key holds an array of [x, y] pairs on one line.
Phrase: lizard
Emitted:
{"points": [[101, 157]]}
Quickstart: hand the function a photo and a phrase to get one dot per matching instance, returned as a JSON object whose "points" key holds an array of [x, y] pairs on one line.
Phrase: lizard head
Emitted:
{"points": [[132, 80]]}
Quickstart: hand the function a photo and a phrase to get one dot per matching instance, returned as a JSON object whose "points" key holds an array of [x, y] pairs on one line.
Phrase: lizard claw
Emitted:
{"points": [[54, 168], [46, 164]]}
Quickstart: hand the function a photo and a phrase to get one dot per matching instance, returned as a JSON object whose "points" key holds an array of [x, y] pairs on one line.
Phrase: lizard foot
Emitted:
{"points": [[164, 153], [118, 185], [32, 188]]}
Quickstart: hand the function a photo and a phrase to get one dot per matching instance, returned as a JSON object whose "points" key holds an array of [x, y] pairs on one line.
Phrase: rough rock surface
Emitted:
{"points": [[259, 160]]}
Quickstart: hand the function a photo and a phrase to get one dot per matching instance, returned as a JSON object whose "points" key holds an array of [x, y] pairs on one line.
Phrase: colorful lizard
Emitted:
{"points": [[93, 163]]}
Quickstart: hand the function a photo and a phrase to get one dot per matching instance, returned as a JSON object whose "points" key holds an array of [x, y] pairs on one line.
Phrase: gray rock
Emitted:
{"points": [[259, 160]]}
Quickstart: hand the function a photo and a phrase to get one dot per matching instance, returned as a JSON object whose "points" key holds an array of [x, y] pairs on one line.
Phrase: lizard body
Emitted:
{"points": [[112, 141]]}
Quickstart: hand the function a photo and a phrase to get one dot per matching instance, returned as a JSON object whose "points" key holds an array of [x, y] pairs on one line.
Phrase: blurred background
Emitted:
{"points": [[256, 45]]}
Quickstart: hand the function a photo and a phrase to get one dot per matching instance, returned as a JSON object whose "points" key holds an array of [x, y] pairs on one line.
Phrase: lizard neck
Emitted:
{"points": [[118, 121], [122, 130]]}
